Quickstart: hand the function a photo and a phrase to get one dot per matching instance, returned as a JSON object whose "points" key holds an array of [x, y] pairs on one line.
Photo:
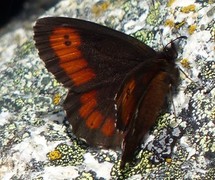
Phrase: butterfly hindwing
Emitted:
{"points": [[134, 86], [150, 90], [91, 122]]}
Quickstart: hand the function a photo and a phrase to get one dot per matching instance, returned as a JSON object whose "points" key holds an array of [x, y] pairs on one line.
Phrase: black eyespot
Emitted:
{"points": [[67, 43]]}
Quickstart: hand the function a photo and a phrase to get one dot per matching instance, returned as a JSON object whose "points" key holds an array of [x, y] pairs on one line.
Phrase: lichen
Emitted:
{"points": [[192, 28], [169, 23], [64, 155], [189, 8], [154, 14], [185, 63]]}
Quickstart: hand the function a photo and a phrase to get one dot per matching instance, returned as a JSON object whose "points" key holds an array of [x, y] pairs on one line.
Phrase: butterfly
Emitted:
{"points": [[117, 85]]}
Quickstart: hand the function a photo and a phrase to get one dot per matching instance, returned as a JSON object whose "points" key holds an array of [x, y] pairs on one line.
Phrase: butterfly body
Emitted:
{"points": [[117, 84]]}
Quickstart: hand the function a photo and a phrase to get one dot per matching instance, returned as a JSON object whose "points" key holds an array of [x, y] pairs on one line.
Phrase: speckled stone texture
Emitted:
{"points": [[36, 142]]}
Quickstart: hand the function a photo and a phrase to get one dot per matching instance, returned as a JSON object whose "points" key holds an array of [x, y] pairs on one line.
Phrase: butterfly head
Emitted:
{"points": [[171, 49]]}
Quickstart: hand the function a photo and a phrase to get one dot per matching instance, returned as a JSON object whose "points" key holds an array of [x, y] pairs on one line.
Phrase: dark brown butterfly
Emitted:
{"points": [[117, 84]]}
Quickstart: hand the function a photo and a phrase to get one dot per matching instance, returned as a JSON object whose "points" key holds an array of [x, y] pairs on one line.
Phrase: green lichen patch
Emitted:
{"points": [[153, 17], [88, 175], [104, 156], [65, 155]]}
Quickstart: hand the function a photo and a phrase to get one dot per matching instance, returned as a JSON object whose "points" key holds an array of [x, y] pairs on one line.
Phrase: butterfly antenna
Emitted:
{"points": [[186, 75], [173, 105], [208, 90], [196, 83], [180, 37]]}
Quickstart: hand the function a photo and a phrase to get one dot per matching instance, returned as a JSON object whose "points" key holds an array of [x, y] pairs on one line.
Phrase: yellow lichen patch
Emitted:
{"points": [[213, 113], [54, 155], [64, 155], [210, 1], [187, 9], [56, 99], [100, 7], [170, 2], [169, 23], [145, 160], [168, 160], [191, 29], [185, 63], [86, 175], [179, 24], [213, 35]]}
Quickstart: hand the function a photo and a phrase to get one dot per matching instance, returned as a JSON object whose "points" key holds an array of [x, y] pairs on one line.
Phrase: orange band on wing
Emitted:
{"points": [[66, 43], [82, 76], [89, 103], [108, 127], [87, 108], [94, 120], [86, 96], [74, 66], [126, 101], [75, 55]]}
